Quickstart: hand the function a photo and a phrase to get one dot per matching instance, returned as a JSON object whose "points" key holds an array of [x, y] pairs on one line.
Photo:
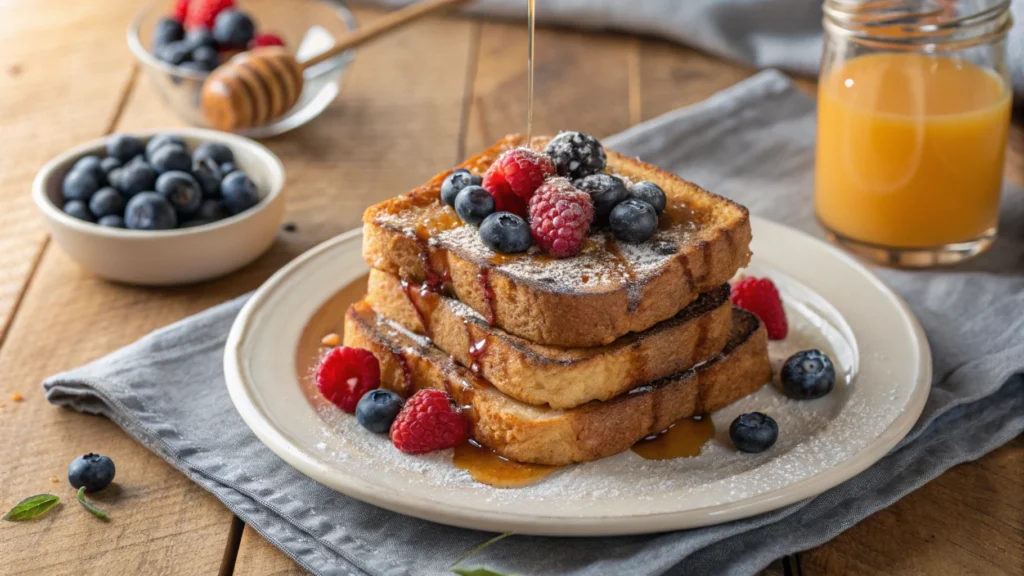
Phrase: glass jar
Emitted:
{"points": [[914, 107]]}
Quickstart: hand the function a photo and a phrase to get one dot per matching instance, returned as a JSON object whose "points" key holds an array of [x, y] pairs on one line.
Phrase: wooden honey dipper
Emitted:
{"points": [[260, 85]]}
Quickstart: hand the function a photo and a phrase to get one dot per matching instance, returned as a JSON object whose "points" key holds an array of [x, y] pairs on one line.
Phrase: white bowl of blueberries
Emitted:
{"points": [[163, 208]]}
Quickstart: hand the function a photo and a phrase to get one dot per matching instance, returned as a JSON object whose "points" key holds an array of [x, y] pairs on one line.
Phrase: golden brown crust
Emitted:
{"points": [[416, 237], [552, 436]]}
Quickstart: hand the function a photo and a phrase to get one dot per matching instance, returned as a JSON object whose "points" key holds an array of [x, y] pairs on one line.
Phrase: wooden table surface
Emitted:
{"points": [[410, 106]]}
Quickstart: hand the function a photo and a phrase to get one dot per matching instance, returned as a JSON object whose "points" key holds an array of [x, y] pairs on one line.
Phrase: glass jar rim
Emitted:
{"points": [[918, 26]]}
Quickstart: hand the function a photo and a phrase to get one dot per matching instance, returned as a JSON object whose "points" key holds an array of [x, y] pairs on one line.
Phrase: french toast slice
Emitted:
{"points": [[551, 375], [610, 289], [540, 435]]}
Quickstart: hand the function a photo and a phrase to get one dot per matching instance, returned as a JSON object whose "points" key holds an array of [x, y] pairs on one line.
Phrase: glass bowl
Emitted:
{"points": [[308, 27]]}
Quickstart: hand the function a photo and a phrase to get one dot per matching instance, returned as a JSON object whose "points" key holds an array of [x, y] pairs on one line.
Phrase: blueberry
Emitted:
{"points": [[605, 190], [181, 190], [135, 177], [206, 57], [473, 204], [124, 147], [454, 184], [150, 211], [212, 210], [208, 174], [112, 221], [200, 36], [108, 164], [174, 53], [92, 164], [649, 192], [171, 157], [227, 168], [94, 471], [79, 185], [808, 375], [233, 28], [576, 154], [377, 409], [166, 30], [633, 221], [78, 209], [219, 153], [754, 432], [505, 232], [238, 192], [106, 202], [158, 141]]}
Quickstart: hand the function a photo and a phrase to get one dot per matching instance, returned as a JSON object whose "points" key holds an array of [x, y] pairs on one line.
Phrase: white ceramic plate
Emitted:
{"points": [[832, 303]]}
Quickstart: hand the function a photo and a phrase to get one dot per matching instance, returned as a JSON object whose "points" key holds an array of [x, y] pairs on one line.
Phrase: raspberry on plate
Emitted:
{"points": [[517, 172], [203, 13], [345, 374], [760, 296], [428, 421], [560, 217]]}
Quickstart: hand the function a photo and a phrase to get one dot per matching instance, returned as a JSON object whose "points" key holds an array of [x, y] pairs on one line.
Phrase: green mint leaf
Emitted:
{"points": [[477, 572], [94, 510], [32, 507]]}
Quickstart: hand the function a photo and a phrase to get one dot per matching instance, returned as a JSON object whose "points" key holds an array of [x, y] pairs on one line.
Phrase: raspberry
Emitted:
{"points": [[428, 422], [517, 173], [759, 295], [560, 217], [180, 10], [202, 13], [345, 374], [265, 39]]}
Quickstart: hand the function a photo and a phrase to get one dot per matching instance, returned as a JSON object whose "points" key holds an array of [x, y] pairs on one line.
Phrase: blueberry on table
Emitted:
{"points": [[78, 209], [92, 164], [605, 190], [212, 210], [124, 147], [150, 211], [205, 57], [158, 141], [807, 375], [181, 190], [166, 30], [108, 164], [79, 185], [233, 28], [171, 157], [94, 471], [377, 409], [208, 174], [135, 177], [633, 221], [649, 192], [505, 232], [473, 204], [454, 184], [215, 151], [106, 202], [754, 432], [238, 192], [112, 221]]}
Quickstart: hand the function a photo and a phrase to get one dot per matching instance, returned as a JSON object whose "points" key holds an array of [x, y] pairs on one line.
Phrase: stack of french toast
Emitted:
{"points": [[555, 359]]}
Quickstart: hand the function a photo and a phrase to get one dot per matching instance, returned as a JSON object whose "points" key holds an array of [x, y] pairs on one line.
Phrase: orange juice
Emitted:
{"points": [[910, 149]]}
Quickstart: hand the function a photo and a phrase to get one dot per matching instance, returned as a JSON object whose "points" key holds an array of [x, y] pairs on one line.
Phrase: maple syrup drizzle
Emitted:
{"points": [[530, 33], [403, 363], [683, 439], [487, 467], [476, 351], [424, 300], [484, 276], [611, 245]]}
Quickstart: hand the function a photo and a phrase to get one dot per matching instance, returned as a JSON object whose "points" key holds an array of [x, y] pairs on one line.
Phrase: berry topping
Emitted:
{"points": [[78, 209], [760, 296], [428, 422], [649, 192], [524, 170], [505, 232], [808, 375], [182, 191], [454, 184], [150, 211], [606, 191], [238, 192], [754, 432], [576, 155], [124, 147], [106, 202], [377, 409], [219, 153], [560, 217], [233, 28], [474, 204], [345, 374], [203, 13], [633, 221], [94, 471], [265, 39]]}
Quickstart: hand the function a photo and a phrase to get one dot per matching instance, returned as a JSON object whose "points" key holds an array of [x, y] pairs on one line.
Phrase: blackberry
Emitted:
{"points": [[606, 191], [576, 155]]}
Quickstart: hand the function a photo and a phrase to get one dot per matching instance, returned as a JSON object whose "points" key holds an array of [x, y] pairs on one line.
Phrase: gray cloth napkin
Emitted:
{"points": [[752, 142], [782, 34]]}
